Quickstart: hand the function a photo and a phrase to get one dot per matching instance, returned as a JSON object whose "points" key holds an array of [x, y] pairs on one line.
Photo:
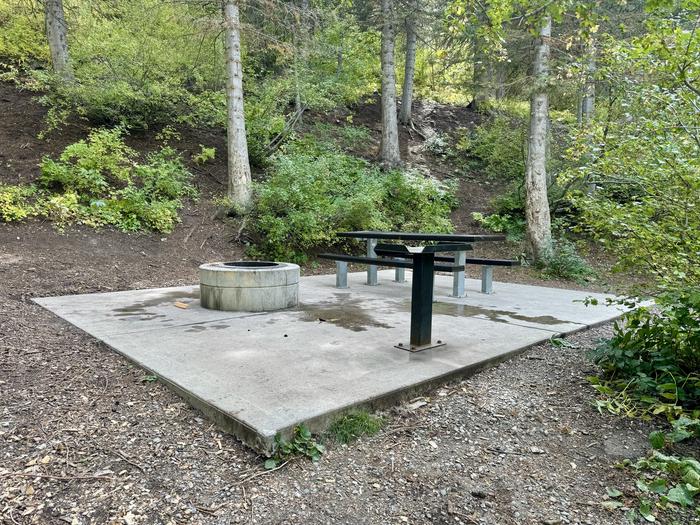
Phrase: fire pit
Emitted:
{"points": [[249, 286]]}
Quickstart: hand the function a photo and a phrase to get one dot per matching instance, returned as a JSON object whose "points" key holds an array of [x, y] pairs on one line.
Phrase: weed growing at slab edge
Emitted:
{"points": [[354, 425], [301, 444]]}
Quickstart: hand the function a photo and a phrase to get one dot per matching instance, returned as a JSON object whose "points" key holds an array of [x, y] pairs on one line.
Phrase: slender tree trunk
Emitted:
{"points": [[500, 80], [409, 69], [57, 35], [537, 204], [389, 155], [480, 76], [239, 190], [588, 98], [301, 41]]}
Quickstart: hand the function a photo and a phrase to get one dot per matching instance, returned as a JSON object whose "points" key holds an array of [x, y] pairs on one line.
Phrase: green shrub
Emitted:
{"points": [[97, 182], [512, 226], [310, 195], [498, 146], [14, 202], [21, 37], [654, 355], [345, 137], [87, 166], [565, 262]]}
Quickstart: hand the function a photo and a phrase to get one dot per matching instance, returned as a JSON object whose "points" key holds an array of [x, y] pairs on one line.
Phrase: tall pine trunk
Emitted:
{"points": [[389, 154], [57, 35], [409, 69], [588, 99], [537, 204], [239, 190], [481, 75]]}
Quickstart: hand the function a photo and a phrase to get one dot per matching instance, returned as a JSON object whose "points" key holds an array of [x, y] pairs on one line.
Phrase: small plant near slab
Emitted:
{"points": [[354, 425], [302, 444]]}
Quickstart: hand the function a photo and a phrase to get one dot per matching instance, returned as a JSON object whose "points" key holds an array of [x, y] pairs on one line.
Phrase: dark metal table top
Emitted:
{"points": [[409, 236]]}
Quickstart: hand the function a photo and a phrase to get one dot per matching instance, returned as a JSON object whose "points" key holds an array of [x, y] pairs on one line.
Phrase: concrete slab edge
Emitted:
{"points": [[264, 443]]}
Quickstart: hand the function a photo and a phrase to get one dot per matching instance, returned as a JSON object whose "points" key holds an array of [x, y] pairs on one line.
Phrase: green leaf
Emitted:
{"points": [[612, 504], [680, 495], [657, 439], [642, 486], [658, 486], [270, 464], [613, 493], [645, 511]]}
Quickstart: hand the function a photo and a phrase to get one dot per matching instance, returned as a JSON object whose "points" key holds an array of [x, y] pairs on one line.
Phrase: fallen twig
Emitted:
{"points": [[263, 473], [125, 458], [58, 478]]}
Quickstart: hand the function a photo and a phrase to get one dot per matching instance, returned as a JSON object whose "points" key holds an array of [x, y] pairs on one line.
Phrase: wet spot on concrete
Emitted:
{"points": [[141, 310], [350, 315], [203, 327], [500, 316]]}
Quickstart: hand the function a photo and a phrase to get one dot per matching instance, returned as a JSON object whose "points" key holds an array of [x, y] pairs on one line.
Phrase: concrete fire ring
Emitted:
{"points": [[249, 286]]}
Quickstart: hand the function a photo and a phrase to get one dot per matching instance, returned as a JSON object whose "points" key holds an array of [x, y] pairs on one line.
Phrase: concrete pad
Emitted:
{"points": [[259, 374]]}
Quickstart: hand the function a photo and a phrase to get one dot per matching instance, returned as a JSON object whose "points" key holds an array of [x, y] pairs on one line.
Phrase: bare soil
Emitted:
{"points": [[86, 438]]}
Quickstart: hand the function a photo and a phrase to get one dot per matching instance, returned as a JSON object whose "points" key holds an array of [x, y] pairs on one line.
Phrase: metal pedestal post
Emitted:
{"points": [[341, 274], [422, 304], [371, 269], [458, 277], [487, 279]]}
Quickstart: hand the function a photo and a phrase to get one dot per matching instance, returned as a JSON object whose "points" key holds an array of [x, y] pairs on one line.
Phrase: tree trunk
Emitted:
{"points": [[588, 99], [301, 44], [480, 77], [389, 155], [409, 69], [537, 204], [57, 35], [500, 80], [238, 165]]}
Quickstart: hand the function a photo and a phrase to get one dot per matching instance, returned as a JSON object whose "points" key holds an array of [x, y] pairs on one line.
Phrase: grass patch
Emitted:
{"points": [[354, 425]]}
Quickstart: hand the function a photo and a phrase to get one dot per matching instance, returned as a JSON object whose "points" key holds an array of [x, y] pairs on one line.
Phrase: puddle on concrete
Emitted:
{"points": [[352, 314], [500, 316], [141, 311], [197, 328]]}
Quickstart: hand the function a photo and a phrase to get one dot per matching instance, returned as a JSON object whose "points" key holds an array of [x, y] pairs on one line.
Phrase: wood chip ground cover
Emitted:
{"points": [[86, 438]]}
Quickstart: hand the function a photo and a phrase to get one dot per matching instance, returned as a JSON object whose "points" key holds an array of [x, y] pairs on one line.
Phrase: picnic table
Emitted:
{"points": [[422, 261]]}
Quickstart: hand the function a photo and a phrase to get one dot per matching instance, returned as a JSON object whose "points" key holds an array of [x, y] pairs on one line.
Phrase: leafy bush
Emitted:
{"points": [[14, 202], [310, 195], [97, 182], [21, 38], [654, 356], [345, 137], [512, 226], [498, 146], [565, 262], [437, 144]]}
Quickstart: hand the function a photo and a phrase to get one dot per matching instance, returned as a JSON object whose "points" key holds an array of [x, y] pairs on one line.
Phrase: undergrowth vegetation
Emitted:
{"points": [[651, 368], [98, 182], [354, 425], [314, 191]]}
